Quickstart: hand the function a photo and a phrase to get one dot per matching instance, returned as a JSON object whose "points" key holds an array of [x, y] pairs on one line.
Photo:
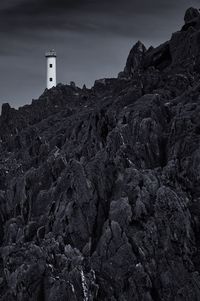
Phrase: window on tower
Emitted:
{"points": [[51, 79], [50, 65]]}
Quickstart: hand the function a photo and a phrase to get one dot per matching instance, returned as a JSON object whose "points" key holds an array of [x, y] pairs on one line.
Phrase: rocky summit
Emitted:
{"points": [[100, 187]]}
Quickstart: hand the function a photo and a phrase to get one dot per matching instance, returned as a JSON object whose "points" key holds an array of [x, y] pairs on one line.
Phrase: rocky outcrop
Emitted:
{"points": [[135, 60], [179, 54], [99, 188], [191, 14]]}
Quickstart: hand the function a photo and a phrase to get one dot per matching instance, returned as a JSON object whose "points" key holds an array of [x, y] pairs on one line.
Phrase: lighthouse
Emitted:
{"points": [[51, 68]]}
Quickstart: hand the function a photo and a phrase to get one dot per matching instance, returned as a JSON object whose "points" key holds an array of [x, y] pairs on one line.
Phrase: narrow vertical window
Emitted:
{"points": [[51, 79], [50, 65]]}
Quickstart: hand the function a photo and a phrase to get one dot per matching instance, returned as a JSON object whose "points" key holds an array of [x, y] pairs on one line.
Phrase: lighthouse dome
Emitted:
{"points": [[51, 53]]}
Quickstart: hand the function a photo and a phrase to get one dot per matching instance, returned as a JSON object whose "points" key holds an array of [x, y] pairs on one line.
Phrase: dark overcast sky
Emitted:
{"points": [[92, 39]]}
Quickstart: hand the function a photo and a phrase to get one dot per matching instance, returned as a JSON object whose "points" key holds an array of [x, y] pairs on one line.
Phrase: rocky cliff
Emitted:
{"points": [[100, 188]]}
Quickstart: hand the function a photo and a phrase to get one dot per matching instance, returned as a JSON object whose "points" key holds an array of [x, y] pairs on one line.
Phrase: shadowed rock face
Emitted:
{"points": [[191, 14], [99, 188]]}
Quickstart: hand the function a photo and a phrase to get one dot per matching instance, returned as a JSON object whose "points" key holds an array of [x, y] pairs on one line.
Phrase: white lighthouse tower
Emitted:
{"points": [[51, 68]]}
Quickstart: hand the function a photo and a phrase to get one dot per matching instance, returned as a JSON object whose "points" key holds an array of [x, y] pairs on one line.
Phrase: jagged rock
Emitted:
{"points": [[159, 57], [191, 14], [5, 110], [135, 59], [72, 84]]}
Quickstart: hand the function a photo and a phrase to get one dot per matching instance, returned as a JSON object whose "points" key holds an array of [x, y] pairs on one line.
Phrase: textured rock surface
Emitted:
{"points": [[191, 14], [99, 188]]}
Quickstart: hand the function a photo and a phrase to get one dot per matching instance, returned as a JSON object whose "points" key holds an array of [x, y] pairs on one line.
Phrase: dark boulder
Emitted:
{"points": [[191, 14]]}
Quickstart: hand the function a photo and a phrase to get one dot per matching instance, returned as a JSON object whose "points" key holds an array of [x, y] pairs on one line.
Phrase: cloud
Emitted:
{"points": [[116, 16]]}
